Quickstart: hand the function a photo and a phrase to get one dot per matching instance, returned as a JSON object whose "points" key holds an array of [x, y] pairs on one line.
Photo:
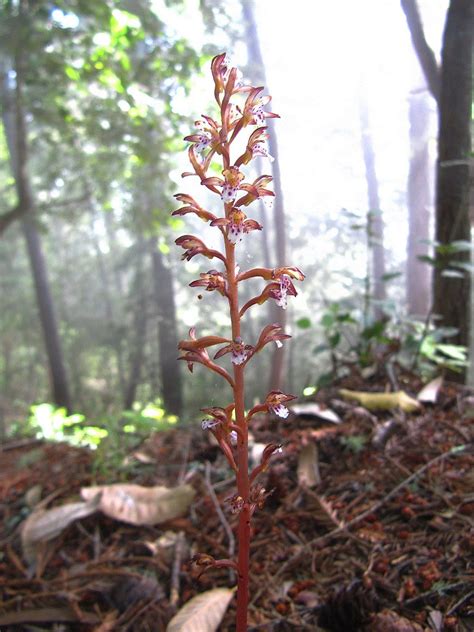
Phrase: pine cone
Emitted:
{"points": [[348, 609]]}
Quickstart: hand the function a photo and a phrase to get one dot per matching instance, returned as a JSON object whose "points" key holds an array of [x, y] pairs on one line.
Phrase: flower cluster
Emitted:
{"points": [[240, 107]]}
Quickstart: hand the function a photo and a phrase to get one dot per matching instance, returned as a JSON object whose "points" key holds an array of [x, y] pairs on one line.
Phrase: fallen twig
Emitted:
{"points": [[176, 570], [222, 518]]}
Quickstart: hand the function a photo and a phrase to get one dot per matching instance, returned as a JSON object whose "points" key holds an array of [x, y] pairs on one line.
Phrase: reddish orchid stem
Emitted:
{"points": [[243, 483]]}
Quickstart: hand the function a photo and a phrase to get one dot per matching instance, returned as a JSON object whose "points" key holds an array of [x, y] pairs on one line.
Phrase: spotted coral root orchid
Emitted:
{"points": [[241, 107]]}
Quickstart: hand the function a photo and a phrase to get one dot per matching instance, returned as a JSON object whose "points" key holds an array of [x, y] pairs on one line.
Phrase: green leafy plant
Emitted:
{"points": [[430, 352], [54, 424], [354, 443], [348, 340], [240, 106], [111, 438]]}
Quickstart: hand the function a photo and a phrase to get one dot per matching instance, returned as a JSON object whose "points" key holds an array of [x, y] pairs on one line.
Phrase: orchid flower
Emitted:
{"points": [[239, 351], [237, 225], [274, 403], [240, 106], [212, 280]]}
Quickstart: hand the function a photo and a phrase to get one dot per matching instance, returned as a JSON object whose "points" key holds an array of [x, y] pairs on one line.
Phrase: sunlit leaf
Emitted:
{"points": [[457, 352], [123, 20], [452, 274], [463, 265], [203, 613], [462, 245], [72, 73]]}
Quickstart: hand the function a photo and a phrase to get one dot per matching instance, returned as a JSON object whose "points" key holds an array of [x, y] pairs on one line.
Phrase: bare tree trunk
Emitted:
{"points": [[418, 273], [375, 221], [424, 53], [452, 295], [419, 196], [167, 333], [277, 315], [110, 315], [15, 132], [139, 329]]}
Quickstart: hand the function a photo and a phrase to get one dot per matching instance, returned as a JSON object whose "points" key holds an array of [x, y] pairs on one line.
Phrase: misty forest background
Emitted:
{"points": [[96, 97]]}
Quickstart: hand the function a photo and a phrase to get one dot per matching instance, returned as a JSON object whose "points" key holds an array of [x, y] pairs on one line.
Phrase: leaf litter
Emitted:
{"points": [[356, 534]]}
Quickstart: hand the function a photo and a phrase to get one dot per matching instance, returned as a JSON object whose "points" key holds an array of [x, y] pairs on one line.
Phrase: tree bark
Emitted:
{"points": [[277, 315], [140, 325], [110, 311], [374, 215], [171, 385], [15, 132], [452, 295], [418, 273], [424, 53]]}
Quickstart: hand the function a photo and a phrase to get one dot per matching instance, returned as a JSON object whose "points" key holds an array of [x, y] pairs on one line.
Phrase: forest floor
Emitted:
{"points": [[369, 526]]}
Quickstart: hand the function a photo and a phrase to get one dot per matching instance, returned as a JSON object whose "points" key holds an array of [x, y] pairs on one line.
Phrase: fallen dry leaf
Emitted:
{"points": [[43, 525], [312, 409], [429, 393], [203, 613], [308, 466], [383, 401], [389, 621], [139, 505]]}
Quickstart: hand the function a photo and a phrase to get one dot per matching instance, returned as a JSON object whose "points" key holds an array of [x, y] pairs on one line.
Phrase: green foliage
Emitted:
{"points": [[111, 438], [125, 432], [354, 443], [144, 419], [451, 258], [347, 340], [99, 84], [303, 323], [54, 424], [428, 350]]}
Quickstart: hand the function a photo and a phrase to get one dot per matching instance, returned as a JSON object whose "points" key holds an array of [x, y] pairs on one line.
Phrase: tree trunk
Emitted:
{"points": [[15, 133], [167, 333], [418, 273], [277, 315], [452, 295], [374, 215], [110, 310], [424, 53], [139, 330]]}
